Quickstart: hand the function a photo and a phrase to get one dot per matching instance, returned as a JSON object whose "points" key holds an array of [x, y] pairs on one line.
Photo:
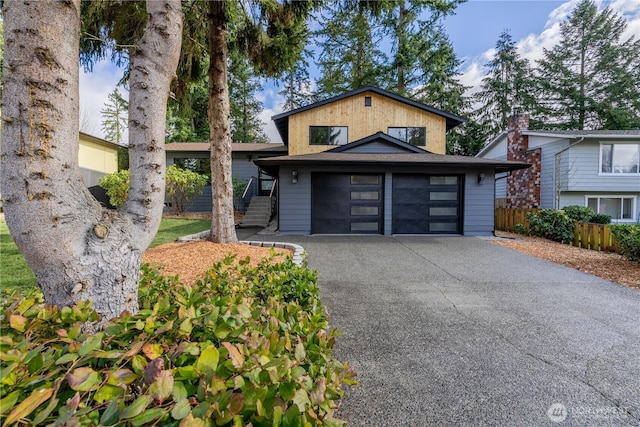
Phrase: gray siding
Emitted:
{"points": [[501, 185], [549, 171], [377, 147], [295, 199], [478, 204], [242, 168], [584, 163]]}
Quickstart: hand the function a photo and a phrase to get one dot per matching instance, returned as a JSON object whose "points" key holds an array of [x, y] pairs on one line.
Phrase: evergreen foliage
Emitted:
{"points": [[590, 79], [244, 86], [505, 86], [349, 56], [297, 86], [114, 123]]}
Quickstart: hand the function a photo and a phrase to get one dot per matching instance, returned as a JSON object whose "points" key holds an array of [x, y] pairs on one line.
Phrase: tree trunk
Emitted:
{"points": [[222, 223], [78, 250], [402, 48]]}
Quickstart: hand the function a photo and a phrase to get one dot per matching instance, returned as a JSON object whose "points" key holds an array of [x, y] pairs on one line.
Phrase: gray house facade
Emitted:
{"points": [[243, 168], [381, 185], [599, 169], [371, 162]]}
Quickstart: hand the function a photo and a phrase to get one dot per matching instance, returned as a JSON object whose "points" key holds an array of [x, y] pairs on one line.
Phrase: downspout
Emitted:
{"points": [[556, 171]]}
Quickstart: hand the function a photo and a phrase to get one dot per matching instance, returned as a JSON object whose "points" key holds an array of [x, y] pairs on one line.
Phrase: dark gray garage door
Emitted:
{"points": [[426, 204], [345, 203]]}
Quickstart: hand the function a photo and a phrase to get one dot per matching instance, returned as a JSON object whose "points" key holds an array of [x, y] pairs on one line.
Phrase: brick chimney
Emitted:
{"points": [[523, 186]]}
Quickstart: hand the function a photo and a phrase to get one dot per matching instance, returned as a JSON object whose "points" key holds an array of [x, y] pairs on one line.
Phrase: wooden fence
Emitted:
{"points": [[585, 234]]}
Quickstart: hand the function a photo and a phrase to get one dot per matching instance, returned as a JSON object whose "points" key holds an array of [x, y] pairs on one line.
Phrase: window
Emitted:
{"points": [[620, 158], [328, 135], [620, 208], [367, 101], [412, 135]]}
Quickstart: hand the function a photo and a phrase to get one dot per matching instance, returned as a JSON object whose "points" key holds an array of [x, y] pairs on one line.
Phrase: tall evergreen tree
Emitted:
{"points": [[349, 55], [114, 116], [414, 27], [505, 85], [590, 79], [244, 86], [297, 86], [114, 123]]}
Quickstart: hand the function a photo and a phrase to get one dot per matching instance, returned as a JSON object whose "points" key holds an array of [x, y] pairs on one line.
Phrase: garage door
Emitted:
{"points": [[346, 203], [426, 204]]}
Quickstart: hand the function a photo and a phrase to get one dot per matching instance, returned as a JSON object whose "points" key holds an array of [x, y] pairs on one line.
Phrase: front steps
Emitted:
{"points": [[259, 212]]}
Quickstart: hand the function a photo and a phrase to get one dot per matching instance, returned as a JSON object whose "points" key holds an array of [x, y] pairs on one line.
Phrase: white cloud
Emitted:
{"points": [[266, 114], [532, 46], [95, 88]]}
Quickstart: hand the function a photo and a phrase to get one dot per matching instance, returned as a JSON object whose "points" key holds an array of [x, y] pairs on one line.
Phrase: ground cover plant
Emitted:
{"points": [[243, 345]]}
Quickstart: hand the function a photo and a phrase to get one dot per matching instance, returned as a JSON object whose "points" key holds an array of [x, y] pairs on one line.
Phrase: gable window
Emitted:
{"points": [[328, 135], [412, 135], [619, 207], [620, 158], [367, 101]]}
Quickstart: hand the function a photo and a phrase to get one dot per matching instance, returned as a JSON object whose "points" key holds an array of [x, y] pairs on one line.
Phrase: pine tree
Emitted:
{"points": [[415, 29], [590, 79], [505, 85], [246, 125], [349, 56], [114, 124], [297, 87]]}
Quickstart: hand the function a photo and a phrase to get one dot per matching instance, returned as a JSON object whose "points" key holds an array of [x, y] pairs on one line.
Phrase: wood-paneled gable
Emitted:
{"points": [[363, 121]]}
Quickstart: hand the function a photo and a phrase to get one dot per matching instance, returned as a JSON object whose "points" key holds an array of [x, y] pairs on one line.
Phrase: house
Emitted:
{"points": [[243, 168], [595, 168], [370, 161]]}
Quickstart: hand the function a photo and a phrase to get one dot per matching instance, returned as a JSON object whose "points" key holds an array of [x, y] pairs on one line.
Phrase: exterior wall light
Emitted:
{"points": [[480, 178], [294, 176]]}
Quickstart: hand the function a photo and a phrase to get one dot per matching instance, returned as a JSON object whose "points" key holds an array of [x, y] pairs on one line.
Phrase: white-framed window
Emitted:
{"points": [[621, 208], [619, 158]]}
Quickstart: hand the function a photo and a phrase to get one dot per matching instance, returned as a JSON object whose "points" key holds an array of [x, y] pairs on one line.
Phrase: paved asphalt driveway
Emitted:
{"points": [[460, 331]]}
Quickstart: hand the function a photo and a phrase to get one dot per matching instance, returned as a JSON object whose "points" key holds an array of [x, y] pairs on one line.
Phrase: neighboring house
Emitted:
{"points": [[369, 161], [242, 166], [599, 169], [96, 157]]}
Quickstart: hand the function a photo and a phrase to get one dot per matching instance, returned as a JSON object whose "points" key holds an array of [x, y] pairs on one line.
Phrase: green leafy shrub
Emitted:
{"points": [[551, 224], [601, 219], [628, 236], [579, 213], [520, 229], [117, 187], [232, 349], [183, 186]]}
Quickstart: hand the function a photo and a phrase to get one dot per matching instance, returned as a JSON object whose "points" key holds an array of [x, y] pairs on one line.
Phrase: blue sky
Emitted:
{"points": [[473, 30]]}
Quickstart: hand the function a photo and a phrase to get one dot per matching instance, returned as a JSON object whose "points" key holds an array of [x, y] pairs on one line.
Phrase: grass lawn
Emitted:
{"points": [[14, 271], [16, 274]]}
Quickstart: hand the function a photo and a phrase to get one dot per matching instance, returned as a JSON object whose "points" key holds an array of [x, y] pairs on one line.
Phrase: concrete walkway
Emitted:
{"points": [[459, 331]]}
